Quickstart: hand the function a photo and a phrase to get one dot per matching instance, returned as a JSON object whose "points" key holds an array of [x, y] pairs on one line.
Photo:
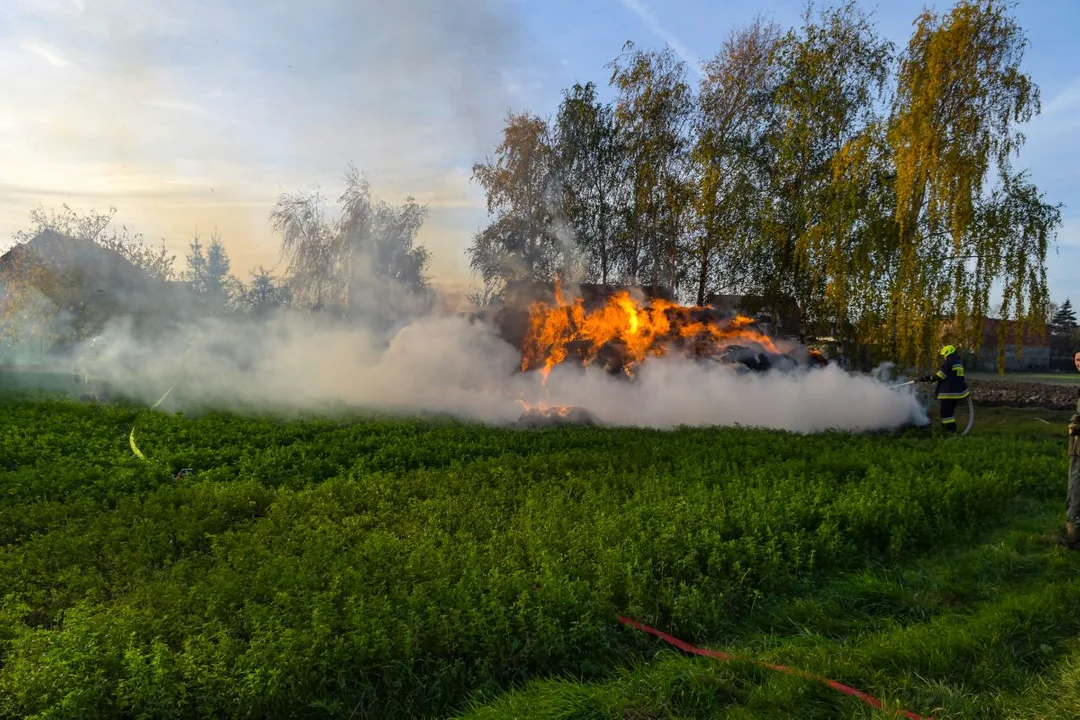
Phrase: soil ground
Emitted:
{"points": [[1019, 391]]}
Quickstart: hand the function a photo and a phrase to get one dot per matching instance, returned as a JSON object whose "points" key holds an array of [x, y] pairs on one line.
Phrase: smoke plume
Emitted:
{"points": [[451, 365], [358, 58]]}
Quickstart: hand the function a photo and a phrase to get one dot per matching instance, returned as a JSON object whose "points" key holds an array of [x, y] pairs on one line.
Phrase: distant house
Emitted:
{"points": [[1034, 348], [58, 290], [31, 331]]}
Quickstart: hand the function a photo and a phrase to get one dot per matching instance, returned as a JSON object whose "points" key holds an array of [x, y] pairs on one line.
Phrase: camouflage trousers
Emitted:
{"points": [[1072, 500]]}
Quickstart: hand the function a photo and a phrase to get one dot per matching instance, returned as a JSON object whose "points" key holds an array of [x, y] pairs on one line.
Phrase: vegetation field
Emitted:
{"points": [[367, 568]]}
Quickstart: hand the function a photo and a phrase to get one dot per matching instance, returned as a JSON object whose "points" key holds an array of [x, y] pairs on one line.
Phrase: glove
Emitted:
{"points": [[928, 378]]}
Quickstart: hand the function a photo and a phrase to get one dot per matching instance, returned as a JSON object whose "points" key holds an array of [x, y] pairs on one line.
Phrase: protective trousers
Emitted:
{"points": [[948, 415], [1072, 500]]}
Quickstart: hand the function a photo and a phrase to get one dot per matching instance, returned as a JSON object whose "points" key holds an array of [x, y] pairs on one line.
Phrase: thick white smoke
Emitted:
{"points": [[464, 56], [454, 366]]}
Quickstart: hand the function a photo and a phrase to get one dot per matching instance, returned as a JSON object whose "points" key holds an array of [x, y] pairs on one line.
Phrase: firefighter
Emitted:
{"points": [[1072, 499], [86, 370], [951, 386]]}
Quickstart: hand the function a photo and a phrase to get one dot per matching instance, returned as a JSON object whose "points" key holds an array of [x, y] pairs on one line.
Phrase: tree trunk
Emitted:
{"points": [[703, 275], [601, 227]]}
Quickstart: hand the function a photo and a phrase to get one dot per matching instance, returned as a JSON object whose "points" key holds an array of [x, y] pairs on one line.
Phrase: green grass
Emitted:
{"points": [[1016, 422], [982, 630], [388, 568]]}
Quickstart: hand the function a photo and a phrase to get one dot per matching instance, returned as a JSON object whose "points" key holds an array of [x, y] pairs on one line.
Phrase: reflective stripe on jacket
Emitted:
{"points": [[953, 386]]}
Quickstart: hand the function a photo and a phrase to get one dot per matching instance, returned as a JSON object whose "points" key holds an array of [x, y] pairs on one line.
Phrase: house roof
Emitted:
{"points": [[89, 280], [50, 254]]}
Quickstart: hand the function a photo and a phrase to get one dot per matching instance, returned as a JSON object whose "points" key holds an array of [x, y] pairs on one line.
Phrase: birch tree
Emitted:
{"points": [[954, 130], [655, 106]]}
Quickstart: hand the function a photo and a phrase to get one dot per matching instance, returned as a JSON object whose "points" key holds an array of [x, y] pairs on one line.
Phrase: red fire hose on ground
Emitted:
{"points": [[688, 648]]}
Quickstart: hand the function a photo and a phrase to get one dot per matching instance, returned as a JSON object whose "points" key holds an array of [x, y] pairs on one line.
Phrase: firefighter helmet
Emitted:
{"points": [[947, 351]]}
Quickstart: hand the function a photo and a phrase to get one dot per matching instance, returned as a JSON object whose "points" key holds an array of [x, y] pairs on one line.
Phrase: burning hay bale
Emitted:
{"points": [[753, 358], [557, 416], [618, 330]]}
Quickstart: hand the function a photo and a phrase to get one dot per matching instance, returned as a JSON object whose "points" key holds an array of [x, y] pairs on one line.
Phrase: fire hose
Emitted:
{"points": [[131, 436], [184, 472], [970, 404], [845, 689], [684, 646]]}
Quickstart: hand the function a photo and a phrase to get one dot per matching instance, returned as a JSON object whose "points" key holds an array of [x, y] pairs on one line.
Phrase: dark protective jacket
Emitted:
{"points": [[951, 382]]}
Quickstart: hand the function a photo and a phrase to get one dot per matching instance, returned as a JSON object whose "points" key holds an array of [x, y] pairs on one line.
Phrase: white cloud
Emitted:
{"points": [[50, 55], [689, 57], [188, 114], [52, 8], [182, 106], [1069, 233], [1063, 261], [1065, 101]]}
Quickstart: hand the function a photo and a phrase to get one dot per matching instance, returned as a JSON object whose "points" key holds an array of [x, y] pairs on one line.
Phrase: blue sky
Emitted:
{"points": [[196, 114]]}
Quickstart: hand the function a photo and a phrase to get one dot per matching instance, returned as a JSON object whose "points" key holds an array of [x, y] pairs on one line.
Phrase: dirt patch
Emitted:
{"points": [[1009, 393]]}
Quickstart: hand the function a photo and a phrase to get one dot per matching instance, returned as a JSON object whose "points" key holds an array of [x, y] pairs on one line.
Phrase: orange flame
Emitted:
{"points": [[632, 331], [543, 408]]}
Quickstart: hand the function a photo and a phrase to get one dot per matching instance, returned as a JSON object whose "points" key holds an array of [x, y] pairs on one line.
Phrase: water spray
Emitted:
{"points": [[970, 404]]}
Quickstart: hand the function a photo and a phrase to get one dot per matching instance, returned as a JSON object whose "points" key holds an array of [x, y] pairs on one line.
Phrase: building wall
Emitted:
{"points": [[31, 329], [1032, 357]]}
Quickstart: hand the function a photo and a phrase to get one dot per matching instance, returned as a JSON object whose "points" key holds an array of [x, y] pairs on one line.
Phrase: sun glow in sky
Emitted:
{"points": [[196, 114]]}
